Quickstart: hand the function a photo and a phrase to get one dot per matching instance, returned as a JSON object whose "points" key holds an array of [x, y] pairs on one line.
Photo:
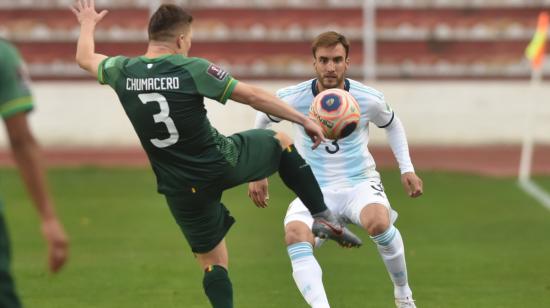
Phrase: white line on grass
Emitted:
{"points": [[536, 192]]}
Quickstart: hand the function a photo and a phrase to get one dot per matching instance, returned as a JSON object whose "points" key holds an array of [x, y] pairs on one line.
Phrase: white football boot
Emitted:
{"points": [[406, 302]]}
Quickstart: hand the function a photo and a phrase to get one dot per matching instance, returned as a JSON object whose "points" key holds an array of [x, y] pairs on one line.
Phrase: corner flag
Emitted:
{"points": [[536, 48]]}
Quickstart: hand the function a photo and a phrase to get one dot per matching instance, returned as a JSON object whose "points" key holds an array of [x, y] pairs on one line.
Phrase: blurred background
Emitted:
{"points": [[270, 39], [454, 71]]}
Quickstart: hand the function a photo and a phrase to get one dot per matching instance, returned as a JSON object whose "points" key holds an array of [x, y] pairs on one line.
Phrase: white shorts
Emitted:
{"points": [[346, 203]]}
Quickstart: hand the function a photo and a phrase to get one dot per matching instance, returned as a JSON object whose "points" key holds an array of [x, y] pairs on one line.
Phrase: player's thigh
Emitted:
{"points": [[284, 140], [368, 198], [202, 218], [298, 212], [259, 157]]}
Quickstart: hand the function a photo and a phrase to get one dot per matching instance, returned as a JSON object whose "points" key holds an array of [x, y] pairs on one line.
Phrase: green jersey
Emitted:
{"points": [[164, 100], [15, 95]]}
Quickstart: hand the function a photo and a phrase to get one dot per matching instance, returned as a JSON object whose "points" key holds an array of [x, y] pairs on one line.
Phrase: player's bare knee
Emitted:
{"points": [[375, 219], [216, 256], [377, 227], [284, 140], [297, 232]]}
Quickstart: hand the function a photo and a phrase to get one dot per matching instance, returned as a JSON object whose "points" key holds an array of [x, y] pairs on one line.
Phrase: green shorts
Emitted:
{"points": [[203, 219]]}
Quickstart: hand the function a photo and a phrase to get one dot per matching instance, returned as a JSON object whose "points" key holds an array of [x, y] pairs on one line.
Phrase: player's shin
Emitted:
{"points": [[217, 287], [297, 175], [391, 249], [307, 274]]}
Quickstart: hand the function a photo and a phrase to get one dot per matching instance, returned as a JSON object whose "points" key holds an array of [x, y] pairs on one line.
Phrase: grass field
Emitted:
{"points": [[470, 242]]}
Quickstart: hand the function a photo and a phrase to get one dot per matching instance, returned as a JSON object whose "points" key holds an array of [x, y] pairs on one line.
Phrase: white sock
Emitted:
{"points": [[391, 249], [308, 274]]}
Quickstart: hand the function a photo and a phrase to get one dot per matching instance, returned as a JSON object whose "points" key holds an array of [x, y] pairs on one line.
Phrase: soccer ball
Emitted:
{"points": [[337, 112]]}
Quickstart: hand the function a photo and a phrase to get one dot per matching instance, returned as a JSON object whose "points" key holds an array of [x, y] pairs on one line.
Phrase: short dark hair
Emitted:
{"points": [[329, 38], [168, 22]]}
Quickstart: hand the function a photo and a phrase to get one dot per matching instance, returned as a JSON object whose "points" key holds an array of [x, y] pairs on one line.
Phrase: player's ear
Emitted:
{"points": [[180, 38]]}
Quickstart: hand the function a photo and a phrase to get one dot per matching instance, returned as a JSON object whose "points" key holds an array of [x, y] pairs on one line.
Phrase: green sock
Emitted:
{"points": [[217, 287], [297, 175]]}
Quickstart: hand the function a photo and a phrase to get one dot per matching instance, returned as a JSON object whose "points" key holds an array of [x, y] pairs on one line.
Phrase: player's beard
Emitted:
{"points": [[330, 83]]}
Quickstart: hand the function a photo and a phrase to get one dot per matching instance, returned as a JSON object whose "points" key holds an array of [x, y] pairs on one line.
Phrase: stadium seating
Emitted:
{"points": [[271, 39]]}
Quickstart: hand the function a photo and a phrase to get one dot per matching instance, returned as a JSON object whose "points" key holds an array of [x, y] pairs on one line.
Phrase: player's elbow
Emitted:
{"points": [[81, 61], [84, 60]]}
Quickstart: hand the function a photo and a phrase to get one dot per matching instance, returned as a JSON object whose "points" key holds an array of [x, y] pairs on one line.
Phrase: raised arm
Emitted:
{"points": [[86, 57], [262, 100]]}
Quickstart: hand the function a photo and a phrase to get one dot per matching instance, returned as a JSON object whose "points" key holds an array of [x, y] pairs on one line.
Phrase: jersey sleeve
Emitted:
{"points": [[109, 70], [381, 113], [15, 94], [212, 81]]}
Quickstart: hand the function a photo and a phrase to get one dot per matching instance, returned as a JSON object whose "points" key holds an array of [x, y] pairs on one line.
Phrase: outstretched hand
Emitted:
{"points": [[413, 184], [85, 12], [314, 132]]}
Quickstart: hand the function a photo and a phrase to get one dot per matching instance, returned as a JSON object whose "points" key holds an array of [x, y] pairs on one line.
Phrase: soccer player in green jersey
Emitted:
{"points": [[15, 103], [162, 93]]}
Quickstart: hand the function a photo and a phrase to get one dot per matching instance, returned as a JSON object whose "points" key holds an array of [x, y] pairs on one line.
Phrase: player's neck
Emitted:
{"points": [[157, 49]]}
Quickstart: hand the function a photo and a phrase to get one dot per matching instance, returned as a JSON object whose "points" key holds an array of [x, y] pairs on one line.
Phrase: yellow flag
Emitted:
{"points": [[536, 48]]}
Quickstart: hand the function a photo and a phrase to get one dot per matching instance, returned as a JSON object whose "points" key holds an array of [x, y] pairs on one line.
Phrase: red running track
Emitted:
{"points": [[486, 160]]}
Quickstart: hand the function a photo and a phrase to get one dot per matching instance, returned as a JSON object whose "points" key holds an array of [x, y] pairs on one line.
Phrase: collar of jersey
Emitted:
{"points": [[159, 58], [315, 91]]}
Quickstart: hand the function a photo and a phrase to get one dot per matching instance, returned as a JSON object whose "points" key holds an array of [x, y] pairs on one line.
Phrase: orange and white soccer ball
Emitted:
{"points": [[337, 112]]}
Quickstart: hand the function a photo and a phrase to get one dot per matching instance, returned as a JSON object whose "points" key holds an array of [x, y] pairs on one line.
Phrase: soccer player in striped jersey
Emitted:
{"points": [[346, 173]]}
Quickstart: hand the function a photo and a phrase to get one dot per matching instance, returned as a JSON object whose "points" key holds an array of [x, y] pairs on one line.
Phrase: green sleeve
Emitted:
{"points": [[15, 94], [15, 106], [212, 81], [109, 70], [100, 71]]}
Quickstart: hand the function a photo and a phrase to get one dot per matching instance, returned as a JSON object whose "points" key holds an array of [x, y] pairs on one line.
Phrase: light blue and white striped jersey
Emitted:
{"points": [[348, 161]]}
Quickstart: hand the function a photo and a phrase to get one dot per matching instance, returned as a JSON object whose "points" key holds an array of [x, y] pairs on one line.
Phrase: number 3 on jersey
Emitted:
{"points": [[162, 117], [335, 149]]}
